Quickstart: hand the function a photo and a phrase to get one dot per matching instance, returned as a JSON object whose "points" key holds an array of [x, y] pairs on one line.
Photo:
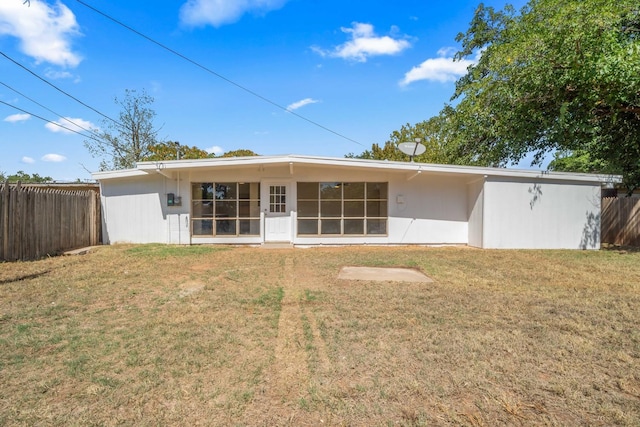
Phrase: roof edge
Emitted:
{"points": [[144, 168]]}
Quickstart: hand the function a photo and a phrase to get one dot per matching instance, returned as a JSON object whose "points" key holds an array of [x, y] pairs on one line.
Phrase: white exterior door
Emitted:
{"points": [[277, 211]]}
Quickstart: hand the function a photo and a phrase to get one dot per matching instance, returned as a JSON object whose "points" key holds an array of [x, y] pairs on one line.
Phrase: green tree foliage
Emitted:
{"points": [[25, 178], [120, 145], [438, 136], [560, 75], [578, 161], [238, 153], [169, 151]]}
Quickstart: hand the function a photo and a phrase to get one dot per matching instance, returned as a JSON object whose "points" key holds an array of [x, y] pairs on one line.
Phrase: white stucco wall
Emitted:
{"points": [[136, 211], [434, 210], [475, 209], [541, 215]]}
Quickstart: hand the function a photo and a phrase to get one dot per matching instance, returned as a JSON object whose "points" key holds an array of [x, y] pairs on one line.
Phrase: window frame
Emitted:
{"points": [[231, 203], [330, 220]]}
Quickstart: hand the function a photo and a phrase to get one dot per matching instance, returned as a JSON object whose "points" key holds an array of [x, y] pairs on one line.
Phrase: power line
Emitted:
{"points": [[220, 76], [48, 121], [49, 110], [57, 88]]}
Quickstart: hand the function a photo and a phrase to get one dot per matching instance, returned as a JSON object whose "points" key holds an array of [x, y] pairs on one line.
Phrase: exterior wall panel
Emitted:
{"points": [[135, 211], [475, 203], [541, 215]]}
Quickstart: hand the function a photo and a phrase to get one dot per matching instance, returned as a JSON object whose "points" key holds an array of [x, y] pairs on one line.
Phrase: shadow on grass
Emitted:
{"points": [[25, 277], [619, 248]]}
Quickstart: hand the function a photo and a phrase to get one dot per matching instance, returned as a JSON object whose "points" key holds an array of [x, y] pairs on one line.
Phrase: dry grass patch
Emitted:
{"points": [[157, 335]]}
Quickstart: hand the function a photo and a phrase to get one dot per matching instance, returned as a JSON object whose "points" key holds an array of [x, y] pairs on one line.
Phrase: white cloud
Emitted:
{"points": [[53, 158], [214, 150], [28, 160], [57, 75], [441, 69], [221, 12], [365, 43], [301, 103], [70, 125], [45, 31], [17, 118]]}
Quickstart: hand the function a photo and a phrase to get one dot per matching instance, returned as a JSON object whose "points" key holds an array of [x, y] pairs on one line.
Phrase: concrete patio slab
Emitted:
{"points": [[383, 274]]}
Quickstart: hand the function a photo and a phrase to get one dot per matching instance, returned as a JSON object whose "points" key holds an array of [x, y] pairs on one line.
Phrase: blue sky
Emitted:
{"points": [[361, 69]]}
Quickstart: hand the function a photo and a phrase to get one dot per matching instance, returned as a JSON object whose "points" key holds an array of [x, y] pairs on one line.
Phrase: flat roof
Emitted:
{"points": [[166, 167]]}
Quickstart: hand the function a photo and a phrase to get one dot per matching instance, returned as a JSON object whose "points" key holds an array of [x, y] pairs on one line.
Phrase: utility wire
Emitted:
{"points": [[48, 121], [220, 76], [50, 110], [58, 89]]}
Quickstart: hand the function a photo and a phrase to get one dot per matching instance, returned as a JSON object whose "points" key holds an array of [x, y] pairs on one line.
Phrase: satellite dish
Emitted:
{"points": [[412, 149]]}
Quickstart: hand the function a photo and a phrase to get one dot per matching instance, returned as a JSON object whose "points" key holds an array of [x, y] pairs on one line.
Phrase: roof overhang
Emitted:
{"points": [[412, 170]]}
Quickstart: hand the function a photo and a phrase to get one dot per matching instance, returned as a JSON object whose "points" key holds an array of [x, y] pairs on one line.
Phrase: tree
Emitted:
{"points": [[169, 151], [560, 75], [577, 161], [25, 178], [438, 136], [239, 153], [129, 140]]}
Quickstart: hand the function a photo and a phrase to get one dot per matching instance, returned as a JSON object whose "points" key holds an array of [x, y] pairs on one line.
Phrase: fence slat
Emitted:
{"points": [[38, 222]]}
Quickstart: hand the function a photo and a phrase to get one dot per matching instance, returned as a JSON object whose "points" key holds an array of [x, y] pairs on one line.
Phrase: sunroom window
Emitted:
{"points": [[342, 208], [225, 208]]}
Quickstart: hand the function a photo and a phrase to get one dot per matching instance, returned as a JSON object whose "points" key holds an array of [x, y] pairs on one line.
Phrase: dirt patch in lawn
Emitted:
{"points": [[383, 274], [244, 336]]}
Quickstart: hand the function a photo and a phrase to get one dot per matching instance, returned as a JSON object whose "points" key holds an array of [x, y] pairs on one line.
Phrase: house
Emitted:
{"points": [[305, 200]]}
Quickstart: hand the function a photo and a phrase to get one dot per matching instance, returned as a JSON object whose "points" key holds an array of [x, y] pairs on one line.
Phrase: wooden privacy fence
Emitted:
{"points": [[620, 221], [38, 222]]}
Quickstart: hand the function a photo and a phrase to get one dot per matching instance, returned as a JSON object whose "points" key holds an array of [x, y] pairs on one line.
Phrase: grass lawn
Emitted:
{"points": [[162, 335]]}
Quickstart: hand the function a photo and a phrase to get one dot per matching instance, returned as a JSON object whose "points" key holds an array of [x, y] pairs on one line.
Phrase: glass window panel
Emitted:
{"points": [[249, 190], [308, 190], [202, 227], [376, 190], [330, 226], [276, 208], [201, 209], [248, 208], [331, 208], [255, 190], [378, 208], [354, 226], [352, 208], [225, 227], [249, 227], [330, 190], [308, 209], [277, 198], [354, 190], [226, 209], [201, 190], [376, 226], [307, 226], [226, 190]]}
